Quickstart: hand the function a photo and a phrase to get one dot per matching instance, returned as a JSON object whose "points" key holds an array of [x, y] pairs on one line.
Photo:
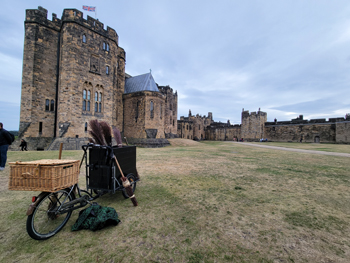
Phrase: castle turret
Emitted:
{"points": [[252, 125]]}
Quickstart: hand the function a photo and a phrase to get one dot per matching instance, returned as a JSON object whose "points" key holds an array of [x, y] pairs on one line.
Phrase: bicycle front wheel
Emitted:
{"points": [[46, 219]]}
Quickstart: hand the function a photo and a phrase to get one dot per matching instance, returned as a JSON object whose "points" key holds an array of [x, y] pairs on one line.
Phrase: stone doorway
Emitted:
{"points": [[317, 139]]}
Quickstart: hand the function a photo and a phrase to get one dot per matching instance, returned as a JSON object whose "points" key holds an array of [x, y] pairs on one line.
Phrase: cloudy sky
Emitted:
{"points": [[286, 57]]}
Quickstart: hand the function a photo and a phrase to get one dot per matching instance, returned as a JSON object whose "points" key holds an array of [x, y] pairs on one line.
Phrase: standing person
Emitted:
{"points": [[5, 141], [23, 145]]}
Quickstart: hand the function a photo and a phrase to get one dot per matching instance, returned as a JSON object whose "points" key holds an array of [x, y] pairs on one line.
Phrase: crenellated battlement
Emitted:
{"points": [[246, 114], [68, 16]]}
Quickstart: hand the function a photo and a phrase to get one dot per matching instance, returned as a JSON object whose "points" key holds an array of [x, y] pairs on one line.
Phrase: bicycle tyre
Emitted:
{"points": [[45, 222]]}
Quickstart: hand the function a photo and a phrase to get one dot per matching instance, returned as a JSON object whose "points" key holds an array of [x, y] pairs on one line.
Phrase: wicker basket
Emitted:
{"points": [[43, 175]]}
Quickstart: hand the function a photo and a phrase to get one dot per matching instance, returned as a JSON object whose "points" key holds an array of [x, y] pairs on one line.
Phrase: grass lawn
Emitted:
{"points": [[327, 147], [202, 202]]}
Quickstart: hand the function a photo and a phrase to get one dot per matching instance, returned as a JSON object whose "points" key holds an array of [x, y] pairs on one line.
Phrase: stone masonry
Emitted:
{"points": [[74, 72]]}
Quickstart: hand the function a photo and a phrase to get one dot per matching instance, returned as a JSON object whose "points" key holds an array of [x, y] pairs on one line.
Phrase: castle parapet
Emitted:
{"points": [[39, 16], [69, 15]]}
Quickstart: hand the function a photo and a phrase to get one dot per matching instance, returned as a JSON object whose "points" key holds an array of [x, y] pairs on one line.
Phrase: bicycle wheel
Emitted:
{"points": [[46, 219], [132, 179]]}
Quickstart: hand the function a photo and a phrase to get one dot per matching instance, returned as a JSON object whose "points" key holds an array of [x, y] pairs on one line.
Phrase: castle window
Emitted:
{"points": [[85, 128], [173, 122], [52, 105], [104, 46], [151, 109], [107, 47], [47, 104], [137, 110], [40, 127], [161, 111], [100, 102], [187, 128], [84, 38], [107, 70], [86, 100]]}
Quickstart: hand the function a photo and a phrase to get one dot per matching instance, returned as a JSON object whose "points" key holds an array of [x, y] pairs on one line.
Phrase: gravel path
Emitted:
{"points": [[294, 150]]}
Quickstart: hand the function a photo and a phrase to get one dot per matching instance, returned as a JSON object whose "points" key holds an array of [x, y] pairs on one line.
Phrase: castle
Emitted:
{"points": [[73, 72], [254, 126]]}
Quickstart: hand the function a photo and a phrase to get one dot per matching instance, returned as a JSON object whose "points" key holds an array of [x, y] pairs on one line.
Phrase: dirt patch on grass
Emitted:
{"points": [[183, 142]]}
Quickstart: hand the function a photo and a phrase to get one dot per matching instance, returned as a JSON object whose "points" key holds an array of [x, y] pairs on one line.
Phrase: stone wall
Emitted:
{"points": [[193, 127], [185, 128], [83, 67], [139, 120], [308, 132], [39, 75], [170, 111], [223, 132], [252, 125], [342, 132], [62, 58]]}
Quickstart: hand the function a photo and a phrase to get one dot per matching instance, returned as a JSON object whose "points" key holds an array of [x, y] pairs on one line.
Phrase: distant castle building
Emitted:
{"points": [[254, 126], [73, 72]]}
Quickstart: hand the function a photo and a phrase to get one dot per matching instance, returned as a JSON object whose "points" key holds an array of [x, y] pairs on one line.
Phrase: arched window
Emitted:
{"points": [[85, 128], [84, 38], [98, 102], [86, 100], [52, 105], [151, 109], [47, 105], [107, 47], [107, 70], [104, 46]]}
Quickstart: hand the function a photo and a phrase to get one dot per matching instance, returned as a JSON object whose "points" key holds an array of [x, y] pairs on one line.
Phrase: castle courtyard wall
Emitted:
{"points": [[324, 132], [342, 132]]}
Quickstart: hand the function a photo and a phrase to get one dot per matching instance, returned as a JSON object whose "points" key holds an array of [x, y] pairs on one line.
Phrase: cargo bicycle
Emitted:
{"points": [[51, 209]]}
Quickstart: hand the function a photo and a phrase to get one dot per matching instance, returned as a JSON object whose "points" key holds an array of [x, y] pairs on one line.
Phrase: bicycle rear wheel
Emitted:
{"points": [[46, 219]]}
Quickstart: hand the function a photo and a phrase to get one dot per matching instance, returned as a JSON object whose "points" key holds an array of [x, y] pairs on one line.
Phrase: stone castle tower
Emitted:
{"points": [[252, 125], [73, 72]]}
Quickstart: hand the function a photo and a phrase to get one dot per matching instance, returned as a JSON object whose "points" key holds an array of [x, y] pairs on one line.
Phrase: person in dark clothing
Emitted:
{"points": [[5, 141], [23, 145]]}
